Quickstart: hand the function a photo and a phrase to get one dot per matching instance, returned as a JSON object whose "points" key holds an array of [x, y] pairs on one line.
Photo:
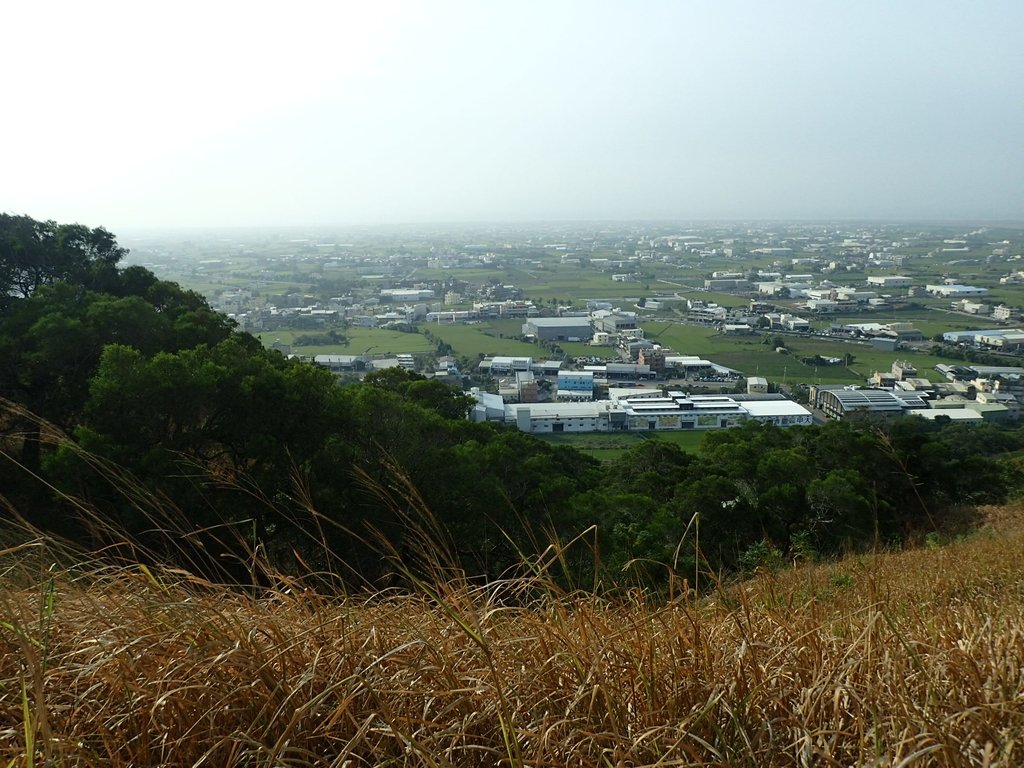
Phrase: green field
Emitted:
{"points": [[362, 341], [538, 273], [929, 323], [608, 446], [753, 358], [484, 339]]}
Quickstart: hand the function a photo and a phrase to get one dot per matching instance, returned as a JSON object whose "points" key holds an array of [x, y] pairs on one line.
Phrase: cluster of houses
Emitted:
{"points": [[828, 298], [394, 307]]}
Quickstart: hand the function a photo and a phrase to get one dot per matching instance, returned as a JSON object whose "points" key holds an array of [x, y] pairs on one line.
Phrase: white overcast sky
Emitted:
{"points": [[213, 113]]}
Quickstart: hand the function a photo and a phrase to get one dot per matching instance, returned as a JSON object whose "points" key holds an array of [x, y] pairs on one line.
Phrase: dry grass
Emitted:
{"points": [[913, 658]]}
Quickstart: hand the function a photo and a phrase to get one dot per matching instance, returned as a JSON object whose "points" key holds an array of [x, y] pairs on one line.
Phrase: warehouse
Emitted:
{"points": [[558, 328], [841, 403], [651, 410]]}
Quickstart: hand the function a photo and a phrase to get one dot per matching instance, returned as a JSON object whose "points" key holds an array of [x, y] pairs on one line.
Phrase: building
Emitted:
{"points": [[699, 312], [853, 295], [559, 417], [997, 412], [841, 403], [689, 366], [558, 328], [1005, 341], [757, 385], [903, 369], [727, 284], [489, 407], [972, 307], [959, 415], [341, 363], [526, 386], [822, 306], [653, 357], [575, 385], [406, 294], [890, 281], [651, 410], [499, 365], [546, 367], [955, 291], [623, 371], [975, 337], [615, 322], [788, 322], [781, 413]]}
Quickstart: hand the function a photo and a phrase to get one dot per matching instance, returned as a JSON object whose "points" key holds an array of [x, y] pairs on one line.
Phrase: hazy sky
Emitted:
{"points": [[243, 113]]}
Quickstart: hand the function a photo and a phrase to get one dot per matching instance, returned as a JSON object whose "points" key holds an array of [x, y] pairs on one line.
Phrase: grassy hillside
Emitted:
{"points": [[908, 658]]}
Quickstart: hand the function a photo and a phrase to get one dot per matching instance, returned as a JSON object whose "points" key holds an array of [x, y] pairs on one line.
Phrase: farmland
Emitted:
{"points": [[625, 267]]}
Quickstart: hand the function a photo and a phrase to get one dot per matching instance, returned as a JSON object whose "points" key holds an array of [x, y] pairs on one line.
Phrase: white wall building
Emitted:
{"points": [[890, 281], [955, 291], [631, 410]]}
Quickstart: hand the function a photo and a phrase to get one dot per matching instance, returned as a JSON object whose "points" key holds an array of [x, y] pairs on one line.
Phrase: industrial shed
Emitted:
{"points": [[558, 328]]}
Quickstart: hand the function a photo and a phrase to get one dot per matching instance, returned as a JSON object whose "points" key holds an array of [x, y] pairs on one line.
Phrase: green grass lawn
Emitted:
{"points": [[483, 338], [608, 446], [685, 339], [371, 341]]}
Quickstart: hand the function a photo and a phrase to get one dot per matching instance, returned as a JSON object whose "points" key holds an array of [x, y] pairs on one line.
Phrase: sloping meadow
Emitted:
{"points": [[904, 658]]}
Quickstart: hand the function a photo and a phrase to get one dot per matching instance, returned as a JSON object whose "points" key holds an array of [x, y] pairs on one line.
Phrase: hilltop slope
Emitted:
{"points": [[904, 658]]}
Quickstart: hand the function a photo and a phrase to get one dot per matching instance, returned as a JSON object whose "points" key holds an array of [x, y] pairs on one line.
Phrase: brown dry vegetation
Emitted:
{"points": [[895, 659]]}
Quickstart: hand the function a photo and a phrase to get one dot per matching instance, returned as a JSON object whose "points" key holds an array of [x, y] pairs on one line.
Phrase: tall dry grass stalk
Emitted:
{"points": [[898, 659], [893, 659]]}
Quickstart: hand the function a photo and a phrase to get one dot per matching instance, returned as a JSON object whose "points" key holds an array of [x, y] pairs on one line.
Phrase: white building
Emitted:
{"points": [[406, 294], [575, 385], [890, 281], [650, 410], [955, 291], [757, 385], [501, 364], [822, 306]]}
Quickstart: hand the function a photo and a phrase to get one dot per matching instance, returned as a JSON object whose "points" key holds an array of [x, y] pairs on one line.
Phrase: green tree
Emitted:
{"points": [[36, 253], [444, 399]]}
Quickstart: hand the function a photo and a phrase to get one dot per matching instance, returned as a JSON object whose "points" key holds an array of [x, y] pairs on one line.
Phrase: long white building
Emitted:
{"points": [[631, 410]]}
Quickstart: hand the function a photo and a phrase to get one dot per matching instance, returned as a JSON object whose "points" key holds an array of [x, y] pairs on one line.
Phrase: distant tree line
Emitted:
{"points": [[138, 422]]}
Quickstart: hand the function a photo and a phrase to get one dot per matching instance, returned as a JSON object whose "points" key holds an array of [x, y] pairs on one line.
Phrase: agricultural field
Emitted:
{"points": [[752, 357], [514, 262]]}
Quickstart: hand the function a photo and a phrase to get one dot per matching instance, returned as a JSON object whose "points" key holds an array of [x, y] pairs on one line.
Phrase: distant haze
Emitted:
{"points": [[240, 114]]}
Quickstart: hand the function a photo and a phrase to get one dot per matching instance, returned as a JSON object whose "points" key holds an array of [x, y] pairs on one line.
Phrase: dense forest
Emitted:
{"points": [[138, 422]]}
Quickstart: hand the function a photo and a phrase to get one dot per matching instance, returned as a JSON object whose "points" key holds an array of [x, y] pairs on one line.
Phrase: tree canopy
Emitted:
{"points": [[37, 253]]}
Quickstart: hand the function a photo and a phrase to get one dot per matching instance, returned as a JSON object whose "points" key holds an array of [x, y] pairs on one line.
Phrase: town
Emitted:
{"points": [[625, 328]]}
